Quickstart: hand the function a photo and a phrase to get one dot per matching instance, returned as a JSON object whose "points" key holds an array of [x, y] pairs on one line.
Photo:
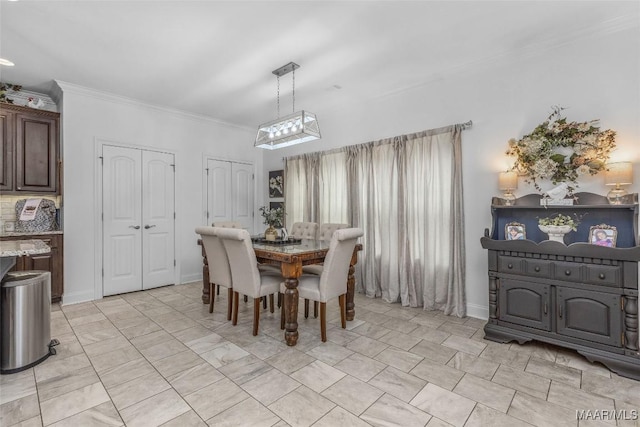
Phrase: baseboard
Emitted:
{"points": [[190, 278], [478, 311], [77, 297]]}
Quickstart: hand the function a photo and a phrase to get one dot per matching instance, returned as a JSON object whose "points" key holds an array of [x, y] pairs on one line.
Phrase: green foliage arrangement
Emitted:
{"points": [[560, 219], [562, 151], [272, 217]]}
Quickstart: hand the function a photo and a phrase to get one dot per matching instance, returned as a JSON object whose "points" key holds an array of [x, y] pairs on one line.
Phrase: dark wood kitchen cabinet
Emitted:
{"points": [[30, 150], [52, 261]]}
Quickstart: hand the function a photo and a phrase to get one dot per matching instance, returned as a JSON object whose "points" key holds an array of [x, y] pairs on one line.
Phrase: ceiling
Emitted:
{"points": [[215, 57]]}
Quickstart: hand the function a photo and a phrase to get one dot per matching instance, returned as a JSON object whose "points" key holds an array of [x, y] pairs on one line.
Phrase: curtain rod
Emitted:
{"points": [[464, 126]]}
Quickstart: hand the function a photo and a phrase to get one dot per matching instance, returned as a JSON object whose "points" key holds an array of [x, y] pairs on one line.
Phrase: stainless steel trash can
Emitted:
{"points": [[25, 320]]}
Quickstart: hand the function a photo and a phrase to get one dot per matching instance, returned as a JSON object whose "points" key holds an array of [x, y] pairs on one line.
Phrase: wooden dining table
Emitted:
{"points": [[291, 258]]}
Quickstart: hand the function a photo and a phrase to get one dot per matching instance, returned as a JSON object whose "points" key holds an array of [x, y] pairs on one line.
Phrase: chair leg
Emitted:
{"points": [[246, 298], [271, 303], [256, 315], [236, 297], [306, 308], [229, 303], [280, 297], [211, 297], [315, 309], [279, 300], [323, 321], [218, 290], [342, 300], [264, 302]]}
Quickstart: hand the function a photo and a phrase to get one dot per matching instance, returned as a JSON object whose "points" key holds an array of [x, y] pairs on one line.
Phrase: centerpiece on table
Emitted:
{"points": [[274, 218], [557, 226], [562, 151]]}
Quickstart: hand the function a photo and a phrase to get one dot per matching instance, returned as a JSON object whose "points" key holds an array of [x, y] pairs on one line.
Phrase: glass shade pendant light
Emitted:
{"points": [[298, 127]]}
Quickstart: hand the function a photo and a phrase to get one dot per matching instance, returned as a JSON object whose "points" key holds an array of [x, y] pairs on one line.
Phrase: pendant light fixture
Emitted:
{"points": [[298, 127]]}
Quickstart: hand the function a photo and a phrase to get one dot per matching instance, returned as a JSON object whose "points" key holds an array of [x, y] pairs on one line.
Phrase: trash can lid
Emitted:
{"points": [[19, 276]]}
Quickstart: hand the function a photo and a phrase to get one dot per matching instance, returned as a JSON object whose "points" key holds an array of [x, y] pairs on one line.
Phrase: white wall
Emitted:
{"points": [[596, 77], [88, 116]]}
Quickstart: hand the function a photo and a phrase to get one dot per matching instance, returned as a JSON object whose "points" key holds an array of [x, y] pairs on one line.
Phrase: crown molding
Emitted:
{"points": [[66, 87]]}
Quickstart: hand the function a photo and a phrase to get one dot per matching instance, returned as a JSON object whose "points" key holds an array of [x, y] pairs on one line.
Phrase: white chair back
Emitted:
{"points": [[336, 264], [219, 269], [304, 230], [242, 258], [227, 224], [326, 230]]}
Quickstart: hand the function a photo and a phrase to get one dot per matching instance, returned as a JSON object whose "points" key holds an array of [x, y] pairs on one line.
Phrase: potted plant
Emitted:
{"points": [[274, 218], [557, 226]]}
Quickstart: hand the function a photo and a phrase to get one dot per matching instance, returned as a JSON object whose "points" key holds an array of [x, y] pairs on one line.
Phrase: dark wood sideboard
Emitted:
{"points": [[579, 296]]}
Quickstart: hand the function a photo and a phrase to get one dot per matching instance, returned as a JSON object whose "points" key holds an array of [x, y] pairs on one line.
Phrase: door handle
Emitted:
{"points": [[146, 227], [135, 227]]}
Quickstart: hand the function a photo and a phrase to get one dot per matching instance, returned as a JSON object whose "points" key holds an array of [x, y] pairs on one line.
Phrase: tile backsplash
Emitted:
{"points": [[8, 204]]}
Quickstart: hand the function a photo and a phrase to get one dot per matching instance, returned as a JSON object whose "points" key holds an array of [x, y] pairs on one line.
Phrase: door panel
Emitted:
{"points": [[36, 171], [219, 191], [230, 193], [593, 316], [525, 303], [158, 219], [242, 199], [7, 143], [122, 210]]}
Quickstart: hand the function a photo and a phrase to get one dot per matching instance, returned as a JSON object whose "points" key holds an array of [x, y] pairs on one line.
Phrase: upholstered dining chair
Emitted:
{"points": [[304, 230], [332, 282], [326, 230], [227, 224], [219, 269], [247, 278]]}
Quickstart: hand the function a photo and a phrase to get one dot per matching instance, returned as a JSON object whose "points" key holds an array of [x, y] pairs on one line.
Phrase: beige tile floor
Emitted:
{"points": [[159, 358]]}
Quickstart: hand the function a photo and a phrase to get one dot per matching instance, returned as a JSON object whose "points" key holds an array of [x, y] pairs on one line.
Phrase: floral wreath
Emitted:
{"points": [[562, 151]]}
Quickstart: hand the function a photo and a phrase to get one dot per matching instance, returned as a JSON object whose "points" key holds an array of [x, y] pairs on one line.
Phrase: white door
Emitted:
{"points": [[158, 215], [219, 207], [138, 219], [122, 220], [230, 192], [242, 198]]}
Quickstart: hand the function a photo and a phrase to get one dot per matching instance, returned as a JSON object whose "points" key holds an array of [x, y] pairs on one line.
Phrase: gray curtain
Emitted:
{"points": [[406, 194]]}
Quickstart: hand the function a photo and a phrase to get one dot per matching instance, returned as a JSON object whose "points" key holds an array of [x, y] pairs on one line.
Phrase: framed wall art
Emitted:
{"points": [[276, 184]]}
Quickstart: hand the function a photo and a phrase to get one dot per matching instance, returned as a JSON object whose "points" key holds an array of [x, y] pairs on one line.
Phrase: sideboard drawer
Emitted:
{"points": [[569, 271], [604, 275], [538, 268], [509, 264]]}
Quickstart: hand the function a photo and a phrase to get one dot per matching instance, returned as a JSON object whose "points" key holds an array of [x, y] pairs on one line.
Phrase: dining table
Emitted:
{"points": [[290, 256]]}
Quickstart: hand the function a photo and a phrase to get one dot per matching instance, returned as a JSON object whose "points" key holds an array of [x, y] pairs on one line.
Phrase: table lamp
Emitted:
{"points": [[617, 174], [507, 182]]}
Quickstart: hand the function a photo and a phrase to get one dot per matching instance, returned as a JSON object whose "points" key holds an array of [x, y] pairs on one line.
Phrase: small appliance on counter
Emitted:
{"points": [[35, 215]]}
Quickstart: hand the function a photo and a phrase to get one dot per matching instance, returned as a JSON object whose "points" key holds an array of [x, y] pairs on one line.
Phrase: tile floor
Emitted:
{"points": [[159, 358]]}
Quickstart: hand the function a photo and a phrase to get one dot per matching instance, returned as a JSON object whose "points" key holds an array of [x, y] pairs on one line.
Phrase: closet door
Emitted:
{"points": [[122, 220], [138, 219], [219, 191], [242, 199], [158, 214], [230, 192]]}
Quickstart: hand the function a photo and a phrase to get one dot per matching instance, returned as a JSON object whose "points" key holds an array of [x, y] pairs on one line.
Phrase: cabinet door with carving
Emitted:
{"points": [[525, 303], [589, 315]]}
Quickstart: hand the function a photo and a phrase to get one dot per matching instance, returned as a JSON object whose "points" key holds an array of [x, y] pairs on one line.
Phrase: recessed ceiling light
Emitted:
{"points": [[6, 62]]}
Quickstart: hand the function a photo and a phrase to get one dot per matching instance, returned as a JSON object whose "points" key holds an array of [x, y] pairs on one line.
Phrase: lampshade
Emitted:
{"points": [[298, 127], [618, 174], [507, 181], [289, 130]]}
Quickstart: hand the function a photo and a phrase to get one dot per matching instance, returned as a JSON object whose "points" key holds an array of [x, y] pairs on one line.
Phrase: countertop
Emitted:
{"points": [[28, 233], [13, 248]]}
